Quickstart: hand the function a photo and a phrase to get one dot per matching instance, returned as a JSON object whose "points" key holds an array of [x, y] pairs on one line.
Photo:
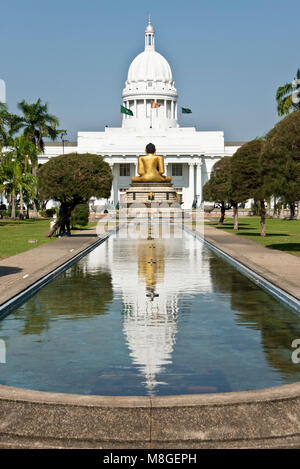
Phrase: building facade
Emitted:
{"points": [[189, 154]]}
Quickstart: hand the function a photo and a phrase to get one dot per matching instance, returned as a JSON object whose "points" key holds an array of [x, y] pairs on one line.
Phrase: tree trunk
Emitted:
{"points": [[21, 205], [262, 218], [65, 212], [35, 212], [281, 214], [298, 214], [56, 225], [13, 204], [235, 216], [44, 204], [221, 220], [292, 210], [274, 208]]}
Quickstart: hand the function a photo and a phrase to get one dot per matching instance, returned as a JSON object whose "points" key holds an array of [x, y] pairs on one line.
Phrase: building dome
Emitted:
{"points": [[149, 28], [150, 85], [149, 66]]}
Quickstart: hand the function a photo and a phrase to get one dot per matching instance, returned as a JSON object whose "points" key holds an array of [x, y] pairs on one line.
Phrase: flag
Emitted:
{"points": [[155, 105], [186, 110], [124, 110]]}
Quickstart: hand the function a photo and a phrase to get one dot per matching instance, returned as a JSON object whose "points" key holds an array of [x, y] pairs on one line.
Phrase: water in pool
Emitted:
{"points": [[157, 317]]}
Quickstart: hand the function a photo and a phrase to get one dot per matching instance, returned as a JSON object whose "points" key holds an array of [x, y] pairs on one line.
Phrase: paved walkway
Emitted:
{"points": [[280, 268], [22, 270]]}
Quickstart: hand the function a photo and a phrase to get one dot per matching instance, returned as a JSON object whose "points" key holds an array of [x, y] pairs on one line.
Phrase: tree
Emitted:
{"points": [[288, 96], [13, 180], [24, 152], [9, 125], [73, 179], [247, 179], [38, 124], [281, 159], [218, 188]]}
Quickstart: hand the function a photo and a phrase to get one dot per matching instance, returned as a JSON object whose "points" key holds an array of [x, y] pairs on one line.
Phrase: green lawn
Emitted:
{"points": [[283, 235], [14, 235]]}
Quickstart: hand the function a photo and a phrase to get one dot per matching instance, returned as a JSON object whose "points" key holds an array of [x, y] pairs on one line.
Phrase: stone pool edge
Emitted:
{"points": [[268, 418]]}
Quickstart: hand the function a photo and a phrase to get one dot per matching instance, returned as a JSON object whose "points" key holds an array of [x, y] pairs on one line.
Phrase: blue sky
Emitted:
{"points": [[227, 57]]}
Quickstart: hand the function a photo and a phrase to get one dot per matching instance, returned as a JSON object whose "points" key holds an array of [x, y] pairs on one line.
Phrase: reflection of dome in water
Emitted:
{"points": [[151, 338], [150, 327]]}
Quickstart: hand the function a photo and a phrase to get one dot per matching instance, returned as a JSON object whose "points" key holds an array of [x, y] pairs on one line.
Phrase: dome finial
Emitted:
{"points": [[149, 35]]}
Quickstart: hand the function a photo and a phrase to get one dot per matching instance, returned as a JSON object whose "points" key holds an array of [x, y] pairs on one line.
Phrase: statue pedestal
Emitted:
{"points": [[150, 192]]}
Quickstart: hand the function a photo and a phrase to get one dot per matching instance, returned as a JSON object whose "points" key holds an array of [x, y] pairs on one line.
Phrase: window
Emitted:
{"points": [[177, 169], [124, 169]]}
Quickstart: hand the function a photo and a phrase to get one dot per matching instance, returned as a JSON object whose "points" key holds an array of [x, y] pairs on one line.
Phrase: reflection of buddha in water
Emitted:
{"points": [[149, 271], [151, 167]]}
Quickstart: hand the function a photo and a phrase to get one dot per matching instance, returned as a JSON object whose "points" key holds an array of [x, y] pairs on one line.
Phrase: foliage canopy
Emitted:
{"points": [[281, 159], [74, 178]]}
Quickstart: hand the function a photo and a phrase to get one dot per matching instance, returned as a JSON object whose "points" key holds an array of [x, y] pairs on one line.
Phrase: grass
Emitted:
{"points": [[15, 234], [283, 235]]}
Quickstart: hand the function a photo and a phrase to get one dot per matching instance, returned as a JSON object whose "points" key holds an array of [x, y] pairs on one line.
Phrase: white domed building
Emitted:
{"points": [[150, 79], [189, 154]]}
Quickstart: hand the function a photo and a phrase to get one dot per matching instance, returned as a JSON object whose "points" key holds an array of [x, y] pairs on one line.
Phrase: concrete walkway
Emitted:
{"points": [[280, 268], [22, 270]]}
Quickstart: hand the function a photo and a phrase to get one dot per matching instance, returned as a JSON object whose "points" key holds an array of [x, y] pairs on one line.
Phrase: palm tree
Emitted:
{"points": [[14, 181], [3, 122], [9, 125], [38, 124], [286, 95], [25, 153]]}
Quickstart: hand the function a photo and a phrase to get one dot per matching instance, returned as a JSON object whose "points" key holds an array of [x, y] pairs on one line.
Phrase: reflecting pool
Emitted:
{"points": [[150, 317]]}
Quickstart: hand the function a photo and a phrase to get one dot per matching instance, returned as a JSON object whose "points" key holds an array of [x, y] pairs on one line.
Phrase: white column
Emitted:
{"points": [[166, 167], [145, 106], [172, 109], [165, 104], [191, 184], [115, 183], [176, 111], [112, 186], [199, 182], [135, 108]]}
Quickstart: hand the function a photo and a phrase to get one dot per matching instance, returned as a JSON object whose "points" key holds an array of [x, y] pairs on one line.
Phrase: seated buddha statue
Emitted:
{"points": [[151, 167]]}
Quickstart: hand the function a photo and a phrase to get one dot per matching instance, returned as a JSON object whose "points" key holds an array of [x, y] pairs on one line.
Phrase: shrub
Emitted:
{"points": [[80, 215]]}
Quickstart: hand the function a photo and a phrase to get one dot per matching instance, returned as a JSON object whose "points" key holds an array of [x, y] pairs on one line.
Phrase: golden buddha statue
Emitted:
{"points": [[151, 167]]}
